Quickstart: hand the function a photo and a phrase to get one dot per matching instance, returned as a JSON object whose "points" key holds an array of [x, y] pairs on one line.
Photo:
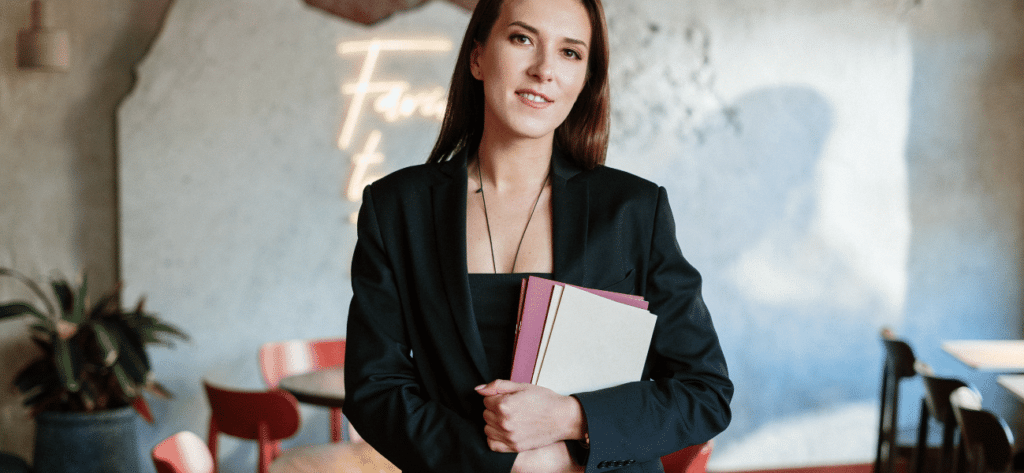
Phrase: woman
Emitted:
{"points": [[515, 185]]}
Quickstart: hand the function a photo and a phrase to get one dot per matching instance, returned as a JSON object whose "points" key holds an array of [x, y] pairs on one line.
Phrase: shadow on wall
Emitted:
{"points": [[773, 283], [91, 129]]}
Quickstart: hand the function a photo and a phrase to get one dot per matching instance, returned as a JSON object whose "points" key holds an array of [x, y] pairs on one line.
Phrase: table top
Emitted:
{"points": [[1013, 383], [988, 355], [324, 387]]}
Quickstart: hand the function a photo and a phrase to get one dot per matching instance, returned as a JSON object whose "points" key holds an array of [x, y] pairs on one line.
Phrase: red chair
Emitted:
{"points": [[291, 357], [183, 452], [263, 416], [692, 459]]}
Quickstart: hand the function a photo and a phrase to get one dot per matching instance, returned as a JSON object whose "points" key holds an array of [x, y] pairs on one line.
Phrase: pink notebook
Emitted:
{"points": [[533, 309]]}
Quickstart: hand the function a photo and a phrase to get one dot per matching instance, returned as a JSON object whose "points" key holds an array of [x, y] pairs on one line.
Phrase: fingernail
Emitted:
{"points": [[480, 387]]}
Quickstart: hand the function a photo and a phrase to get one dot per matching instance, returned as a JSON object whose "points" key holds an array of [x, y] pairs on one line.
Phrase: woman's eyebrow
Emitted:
{"points": [[537, 32]]}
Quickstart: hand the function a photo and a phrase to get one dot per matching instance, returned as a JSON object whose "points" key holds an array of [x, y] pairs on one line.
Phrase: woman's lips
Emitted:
{"points": [[533, 99]]}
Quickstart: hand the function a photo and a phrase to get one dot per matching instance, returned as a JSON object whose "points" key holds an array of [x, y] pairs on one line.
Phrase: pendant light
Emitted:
{"points": [[42, 47]]}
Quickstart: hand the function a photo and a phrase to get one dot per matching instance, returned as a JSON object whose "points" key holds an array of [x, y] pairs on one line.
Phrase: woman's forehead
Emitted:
{"points": [[556, 18]]}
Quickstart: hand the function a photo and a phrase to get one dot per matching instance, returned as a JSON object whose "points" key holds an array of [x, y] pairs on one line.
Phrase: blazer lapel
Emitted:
{"points": [[449, 201], [570, 213], [570, 210]]}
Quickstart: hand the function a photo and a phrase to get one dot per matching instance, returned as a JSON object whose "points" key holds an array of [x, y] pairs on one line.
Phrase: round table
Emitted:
{"points": [[324, 387]]}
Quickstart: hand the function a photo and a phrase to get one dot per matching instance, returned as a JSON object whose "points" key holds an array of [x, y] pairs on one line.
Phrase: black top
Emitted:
{"points": [[496, 308]]}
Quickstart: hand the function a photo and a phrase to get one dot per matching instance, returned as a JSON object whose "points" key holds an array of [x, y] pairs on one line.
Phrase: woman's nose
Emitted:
{"points": [[541, 67]]}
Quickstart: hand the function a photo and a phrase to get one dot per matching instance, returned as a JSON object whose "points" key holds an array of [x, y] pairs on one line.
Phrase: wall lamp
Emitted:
{"points": [[42, 47]]}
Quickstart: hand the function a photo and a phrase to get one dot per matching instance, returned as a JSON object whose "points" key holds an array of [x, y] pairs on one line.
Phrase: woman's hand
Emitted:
{"points": [[523, 417], [553, 458]]}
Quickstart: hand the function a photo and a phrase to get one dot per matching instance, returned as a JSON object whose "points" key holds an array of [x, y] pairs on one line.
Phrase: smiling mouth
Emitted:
{"points": [[533, 98]]}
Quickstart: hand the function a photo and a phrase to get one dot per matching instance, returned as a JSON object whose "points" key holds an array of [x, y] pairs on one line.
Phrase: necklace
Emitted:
{"points": [[483, 197]]}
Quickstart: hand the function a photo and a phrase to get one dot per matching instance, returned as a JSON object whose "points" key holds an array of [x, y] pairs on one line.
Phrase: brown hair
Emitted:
{"points": [[583, 136]]}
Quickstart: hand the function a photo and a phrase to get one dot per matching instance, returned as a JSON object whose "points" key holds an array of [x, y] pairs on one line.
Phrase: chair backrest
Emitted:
{"points": [[183, 452], [285, 358], [692, 459], [899, 355], [936, 405], [897, 365], [263, 416], [986, 439], [937, 390]]}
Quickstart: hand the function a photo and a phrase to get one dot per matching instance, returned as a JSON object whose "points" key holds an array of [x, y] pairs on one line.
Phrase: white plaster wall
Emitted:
{"points": [[832, 165], [781, 131], [235, 206]]}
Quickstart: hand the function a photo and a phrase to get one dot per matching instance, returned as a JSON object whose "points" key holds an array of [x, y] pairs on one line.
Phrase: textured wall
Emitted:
{"points": [[832, 166], [58, 199], [236, 200]]}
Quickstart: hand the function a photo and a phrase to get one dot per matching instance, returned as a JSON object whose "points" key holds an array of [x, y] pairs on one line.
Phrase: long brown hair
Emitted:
{"points": [[583, 136]]}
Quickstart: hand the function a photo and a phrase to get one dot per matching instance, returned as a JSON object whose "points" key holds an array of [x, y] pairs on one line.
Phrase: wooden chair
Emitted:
{"points": [[985, 440], [291, 357], [263, 416], [898, 365], [935, 405], [183, 452], [692, 459]]}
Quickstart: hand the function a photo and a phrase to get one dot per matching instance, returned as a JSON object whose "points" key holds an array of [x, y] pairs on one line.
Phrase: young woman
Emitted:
{"points": [[515, 185]]}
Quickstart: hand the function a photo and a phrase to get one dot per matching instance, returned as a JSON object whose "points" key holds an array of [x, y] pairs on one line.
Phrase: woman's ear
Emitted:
{"points": [[474, 60]]}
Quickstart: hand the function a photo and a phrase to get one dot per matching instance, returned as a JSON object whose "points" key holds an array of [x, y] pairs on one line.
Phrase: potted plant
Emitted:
{"points": [[90, 378]]}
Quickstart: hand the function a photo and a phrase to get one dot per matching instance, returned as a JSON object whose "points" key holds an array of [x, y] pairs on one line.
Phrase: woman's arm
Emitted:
{"points": [[685, 399], [385, 400]]}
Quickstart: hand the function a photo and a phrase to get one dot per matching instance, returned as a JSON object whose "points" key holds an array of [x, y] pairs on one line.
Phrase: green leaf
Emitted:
{"points": [[31, 285], [78, 310], [39, 374], [162, 327], [124, 381], [135, 365], [87, 395], [106, 305], [67, 364], [108, 345], [65, 297], [16, 309], [158, 389]]}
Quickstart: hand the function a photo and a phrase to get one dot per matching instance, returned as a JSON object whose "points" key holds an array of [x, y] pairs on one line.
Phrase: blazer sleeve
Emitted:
{"points": [[385, 400], [684, 398]]}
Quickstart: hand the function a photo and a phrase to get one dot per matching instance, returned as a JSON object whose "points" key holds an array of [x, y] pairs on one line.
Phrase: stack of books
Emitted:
{"points": [[571, 339]]}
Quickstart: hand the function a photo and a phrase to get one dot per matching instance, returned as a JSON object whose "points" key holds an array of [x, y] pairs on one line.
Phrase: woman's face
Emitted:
{"points": [[533, 66]]}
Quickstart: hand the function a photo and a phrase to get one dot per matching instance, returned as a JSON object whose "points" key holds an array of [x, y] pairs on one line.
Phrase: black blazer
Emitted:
{"points": [[414, 353]]}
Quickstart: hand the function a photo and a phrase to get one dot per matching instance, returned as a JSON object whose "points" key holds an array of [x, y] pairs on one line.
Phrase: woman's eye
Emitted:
{"points": [[520, 39], [572, 53]]}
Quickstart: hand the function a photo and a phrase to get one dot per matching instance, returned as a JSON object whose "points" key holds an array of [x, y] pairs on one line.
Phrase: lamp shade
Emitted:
{"points": [[40, 46]]}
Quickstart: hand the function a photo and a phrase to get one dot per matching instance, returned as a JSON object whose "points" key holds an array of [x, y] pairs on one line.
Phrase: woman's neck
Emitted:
{"points": [[514, 164]]}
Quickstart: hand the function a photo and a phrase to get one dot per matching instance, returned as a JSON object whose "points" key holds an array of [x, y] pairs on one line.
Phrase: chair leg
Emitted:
{"points": [[211, 442], [887, 424], [946, 462], [335, 424], [881, 419], [921, 452]]}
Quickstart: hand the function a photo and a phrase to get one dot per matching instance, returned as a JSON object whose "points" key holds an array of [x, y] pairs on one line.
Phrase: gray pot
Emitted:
{"points": [[97, 442]]}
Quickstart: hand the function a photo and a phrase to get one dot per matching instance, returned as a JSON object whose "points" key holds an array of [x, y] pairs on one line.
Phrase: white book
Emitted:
{"points": [[594, 343]]}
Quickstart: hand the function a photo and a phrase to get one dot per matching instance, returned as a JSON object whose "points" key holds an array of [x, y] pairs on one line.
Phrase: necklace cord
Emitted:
{"points": [[483, 197]]}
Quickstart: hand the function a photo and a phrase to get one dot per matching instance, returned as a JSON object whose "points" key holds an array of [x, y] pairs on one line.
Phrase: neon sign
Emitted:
{"points": [[394, 101]]}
